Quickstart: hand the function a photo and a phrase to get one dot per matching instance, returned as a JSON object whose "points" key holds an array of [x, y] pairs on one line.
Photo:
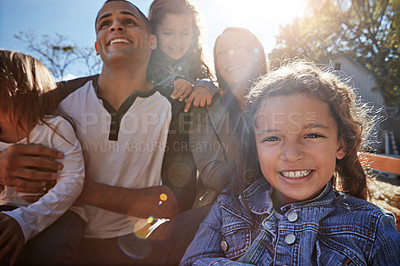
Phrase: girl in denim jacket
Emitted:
{"points": [[298, 191]]}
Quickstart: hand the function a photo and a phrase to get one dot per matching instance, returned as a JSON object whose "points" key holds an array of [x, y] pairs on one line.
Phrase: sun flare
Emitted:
{"points": [[256, 12], [261, 17]]}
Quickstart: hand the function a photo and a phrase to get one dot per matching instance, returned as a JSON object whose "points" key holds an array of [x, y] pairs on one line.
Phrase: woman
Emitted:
{"points": [[239, 60]]}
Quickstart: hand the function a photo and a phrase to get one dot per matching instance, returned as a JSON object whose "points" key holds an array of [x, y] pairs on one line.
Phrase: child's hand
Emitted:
{"points": [[182, 90], [11, 237], [199, 97]]}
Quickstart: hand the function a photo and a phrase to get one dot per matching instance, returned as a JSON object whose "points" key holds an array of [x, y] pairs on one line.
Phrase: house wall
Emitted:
{"points": [[361, 79]]}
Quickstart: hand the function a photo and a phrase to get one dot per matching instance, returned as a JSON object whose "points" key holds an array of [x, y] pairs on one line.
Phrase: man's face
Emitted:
{"points": [[122, 34]]}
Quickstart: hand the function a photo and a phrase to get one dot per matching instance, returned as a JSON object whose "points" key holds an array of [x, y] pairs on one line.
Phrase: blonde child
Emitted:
{"points": [[178, 65], [298, 193], [43, 230]]}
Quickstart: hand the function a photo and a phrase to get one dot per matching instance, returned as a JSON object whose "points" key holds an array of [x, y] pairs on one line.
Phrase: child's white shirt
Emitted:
{"points": [[34, 218]]}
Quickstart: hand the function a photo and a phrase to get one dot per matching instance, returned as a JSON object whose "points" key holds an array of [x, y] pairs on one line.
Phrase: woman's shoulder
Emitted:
{"points": [[58, 129], [57, 121]]}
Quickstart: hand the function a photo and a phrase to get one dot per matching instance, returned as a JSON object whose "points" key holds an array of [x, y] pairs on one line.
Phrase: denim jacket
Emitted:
{"points": [[331, 229], [164, 75]]}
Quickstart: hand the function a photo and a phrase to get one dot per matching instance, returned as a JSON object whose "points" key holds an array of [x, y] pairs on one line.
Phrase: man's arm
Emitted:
{"points": [[178, 178], [32, 168], [29, 167], [157, 201]]}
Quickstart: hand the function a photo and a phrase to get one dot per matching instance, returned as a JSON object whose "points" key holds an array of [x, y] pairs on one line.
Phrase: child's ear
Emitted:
{"points": [[153, 42], [341, 149], [95, 47]]}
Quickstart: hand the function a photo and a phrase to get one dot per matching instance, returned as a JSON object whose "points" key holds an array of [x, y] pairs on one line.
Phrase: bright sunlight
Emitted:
{"points": [[256, 12], [262, 17]]}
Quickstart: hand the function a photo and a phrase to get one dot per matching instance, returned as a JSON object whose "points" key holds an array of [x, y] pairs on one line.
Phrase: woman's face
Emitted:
{"points": [[235, 60]]}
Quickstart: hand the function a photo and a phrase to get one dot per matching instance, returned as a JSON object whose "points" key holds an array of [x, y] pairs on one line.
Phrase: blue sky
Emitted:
{"points": [[75, 19]]}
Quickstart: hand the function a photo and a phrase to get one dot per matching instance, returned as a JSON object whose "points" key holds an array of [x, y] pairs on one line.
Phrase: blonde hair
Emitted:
{"points": [[24, 82]]}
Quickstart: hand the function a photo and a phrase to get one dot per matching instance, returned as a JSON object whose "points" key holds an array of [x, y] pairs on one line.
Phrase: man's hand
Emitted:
{"points": [[182, 90], [11, 237], [158, 201], [199, 97], [29, 168]]}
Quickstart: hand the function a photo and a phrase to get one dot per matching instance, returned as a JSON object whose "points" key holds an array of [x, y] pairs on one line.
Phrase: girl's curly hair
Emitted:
{"points": [[353, 119]]}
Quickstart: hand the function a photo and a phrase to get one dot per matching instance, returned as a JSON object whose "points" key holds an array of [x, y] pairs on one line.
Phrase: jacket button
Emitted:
{"points": [[292, 216], [224, 245], [290, 239], [180, 68]]}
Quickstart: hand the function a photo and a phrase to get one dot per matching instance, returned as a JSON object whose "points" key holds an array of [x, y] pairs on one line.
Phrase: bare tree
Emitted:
{"points": [[59, 54], [88, 56]]}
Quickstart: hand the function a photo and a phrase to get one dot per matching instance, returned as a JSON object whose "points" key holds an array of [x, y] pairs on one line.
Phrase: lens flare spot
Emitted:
{"points": [[163, 197], [140, 229], [150, 219], [134, 247], [179, 174], [160, 202], [255, 50]]}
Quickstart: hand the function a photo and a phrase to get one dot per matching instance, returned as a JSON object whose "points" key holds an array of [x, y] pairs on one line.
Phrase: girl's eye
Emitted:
{"points": [[270, 139], [313, 136]]}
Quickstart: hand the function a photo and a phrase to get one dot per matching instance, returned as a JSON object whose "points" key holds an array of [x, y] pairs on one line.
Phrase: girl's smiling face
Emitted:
{"points": [[175, 35], [297, 144]]}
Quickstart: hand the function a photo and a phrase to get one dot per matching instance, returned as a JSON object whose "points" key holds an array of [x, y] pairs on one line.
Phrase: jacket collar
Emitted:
{"points": [[258, 198]]}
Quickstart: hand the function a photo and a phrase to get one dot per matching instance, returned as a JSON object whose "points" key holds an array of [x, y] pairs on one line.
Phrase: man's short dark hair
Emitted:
{"points": [[144, 18]]}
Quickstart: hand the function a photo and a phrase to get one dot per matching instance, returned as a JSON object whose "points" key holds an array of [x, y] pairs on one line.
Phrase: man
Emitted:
{"points": [[123, 124]]}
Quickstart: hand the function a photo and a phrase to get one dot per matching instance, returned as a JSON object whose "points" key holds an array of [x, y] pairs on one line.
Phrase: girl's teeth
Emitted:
{"points": [[296, 174]]}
